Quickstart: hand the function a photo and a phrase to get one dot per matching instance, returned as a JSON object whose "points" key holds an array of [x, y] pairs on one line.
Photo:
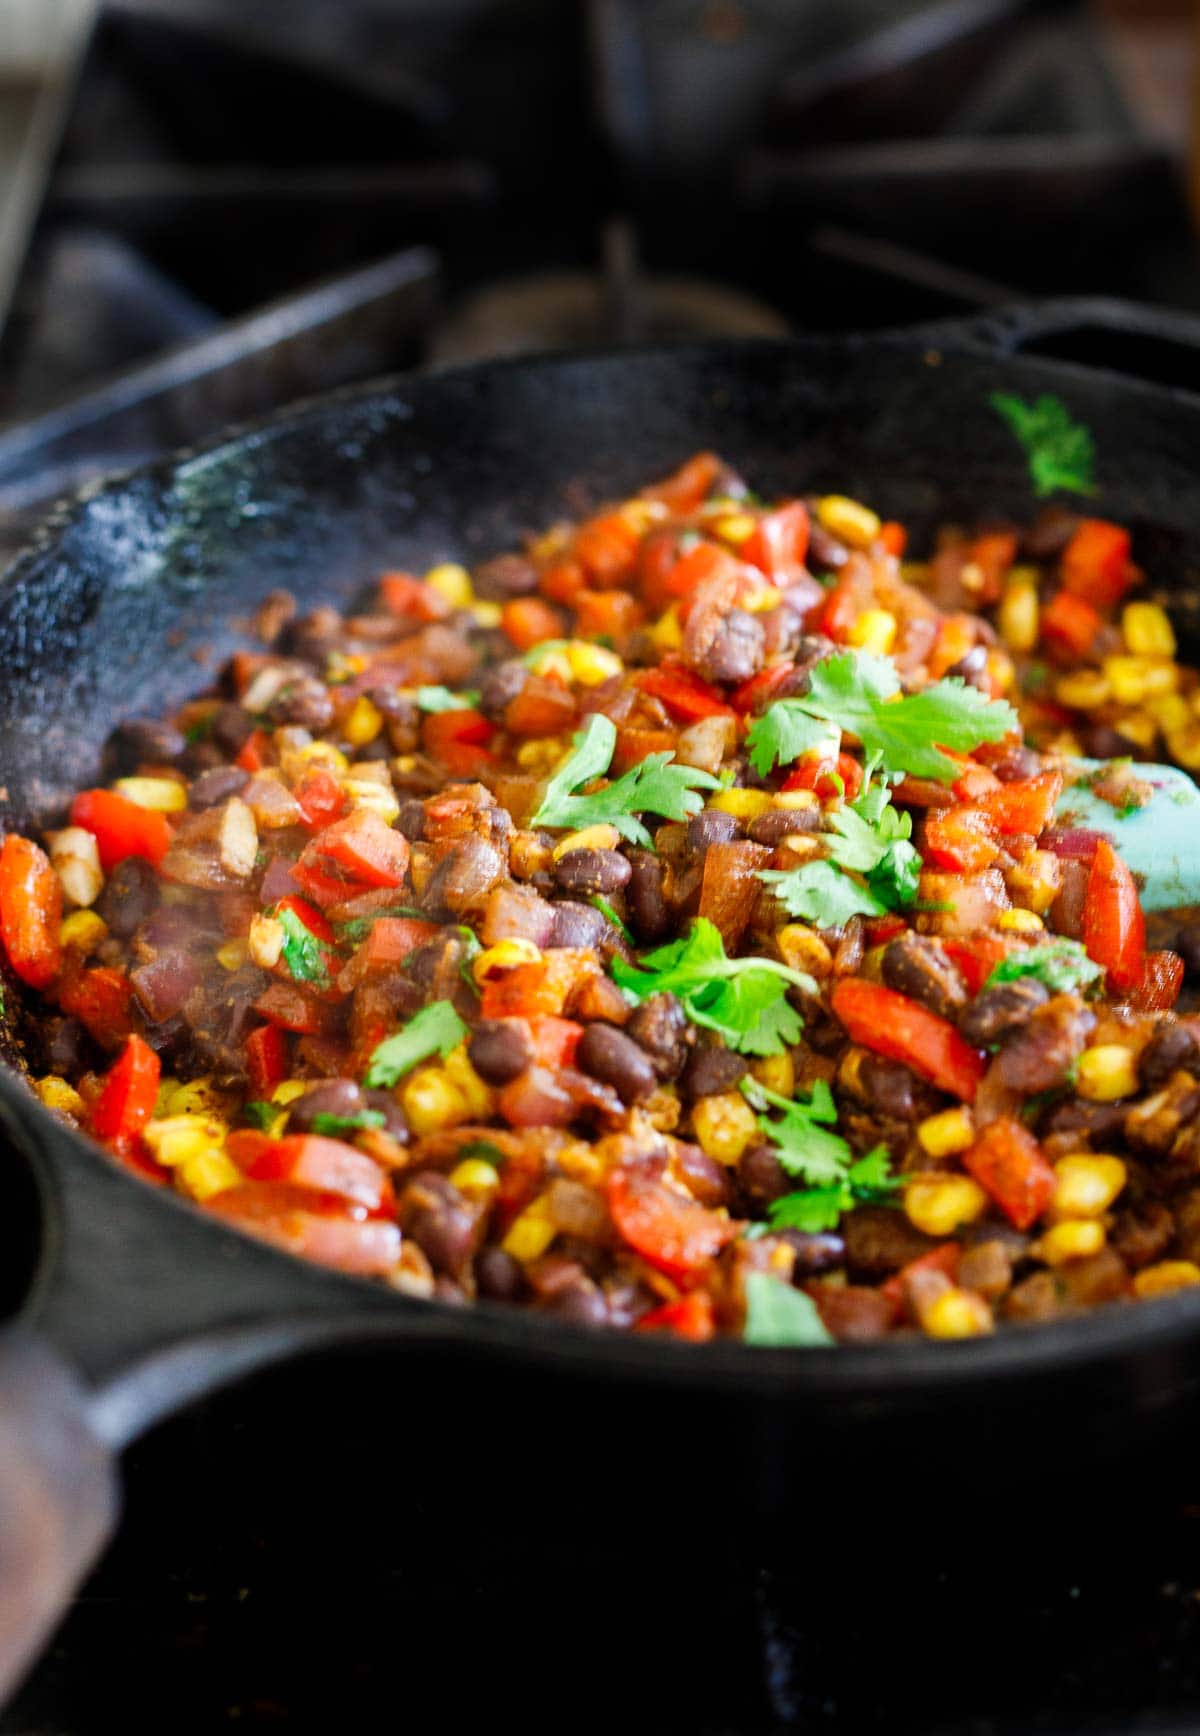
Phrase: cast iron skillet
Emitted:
{"points": [[133, 593]]}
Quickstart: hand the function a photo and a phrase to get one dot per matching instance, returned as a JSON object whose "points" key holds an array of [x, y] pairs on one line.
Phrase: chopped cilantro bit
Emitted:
{"points": [[441, 699], [600, 903], [302, 951], [435, 1030], [653, 786], [357, 928], [1061, 453], [262, 1115], [483, 1150], [200, 730], [336, 1124], [777, 1314], [1061, 964], [743, 999]]}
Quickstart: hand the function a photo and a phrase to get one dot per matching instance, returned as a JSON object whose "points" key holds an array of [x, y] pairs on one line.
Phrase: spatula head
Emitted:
{"points": [[1159, 842]]}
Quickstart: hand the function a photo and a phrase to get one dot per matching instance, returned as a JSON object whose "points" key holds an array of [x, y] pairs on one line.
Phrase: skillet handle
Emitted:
{"points": [[1126, 337], [58, 1497]]}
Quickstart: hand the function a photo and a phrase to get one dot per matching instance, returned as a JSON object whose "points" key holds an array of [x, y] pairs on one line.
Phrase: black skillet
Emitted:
{"points": [[133, 594]]}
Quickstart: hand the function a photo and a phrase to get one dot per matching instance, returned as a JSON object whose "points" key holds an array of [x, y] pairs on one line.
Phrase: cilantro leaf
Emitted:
{"points": [[302, 951], [801, 1137], [1060, 452], [1061, 964], [262, 1115], [333, 1125], [653, 786], [819, 893], [816, 1209], [869, 837], [905, 731], [441, 699], [785, 732], [743, 999], [776, 1314], [435, 1030], [484, 1150]]}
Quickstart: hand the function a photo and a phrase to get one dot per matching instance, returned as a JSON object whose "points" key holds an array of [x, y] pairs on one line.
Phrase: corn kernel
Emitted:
{"points": [[55, 1093], [1020, 921], [363, 723], [591, 664], [666, 632], [1106, 1072], [1018, 615], [505, 955], [196, 1097], [761, 598], [724, 1126], [1185, 747], [208, 1174], [542, 754], [1135, 679], [466, 1081], [475, 1178], [82, 931], [590, 838], [1085, 1186], [795, 799], [735, 528], [957, 1314], [1169, 711], [179, 1137], [776, 1072], [937, 1204], [742, 804], [1034, 882], [530, 1234], [76, 858], [453, 583], [849, 520], [802, 949], [874, 631], [288, 1090], [1074, 1240], [1083, 690], [487, 613], [947, 1134], [1138, 727], [264, 941], [324, 753], [1147, 631], [1000, 670], [164, 795], [432, 1102], [1168, 1275], [582, 1163], [640, 514], [234, 953], [366, 793]]}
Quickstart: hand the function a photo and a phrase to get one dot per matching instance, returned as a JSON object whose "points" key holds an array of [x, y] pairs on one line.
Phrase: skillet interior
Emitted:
{"points": [[131, 599]]}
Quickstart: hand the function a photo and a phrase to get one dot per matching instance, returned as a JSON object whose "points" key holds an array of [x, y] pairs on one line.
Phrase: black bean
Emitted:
{"points": [[825, 553], [659, 1026], [780, 823], [736, 652], [314, 636], [499, 1049], [68, 1047], [1016, 764], [892, 1091], [395, 1122], [711, 1070], [814, 1254], [1041, 1053], [579, 925], [581, 1301], [783, 630], [464, 877], [1099, 1122], [130, 896], [1101, 741], [216, 786], [879, 1241], [761, 1177], [500, 686], [505, 576], [973, 669], [340, 1097], [712, 827], [304, 702], [144, 741], [442, 1223], [996, 1012], [1171, 1049], [1050, 533], [498, 1276], [615, 1059], [591, 871], [649, 915], [1187, 944], [919, 968]]}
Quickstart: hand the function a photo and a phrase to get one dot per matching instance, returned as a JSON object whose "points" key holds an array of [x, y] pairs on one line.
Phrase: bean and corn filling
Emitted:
{"points": [[665, 927]]}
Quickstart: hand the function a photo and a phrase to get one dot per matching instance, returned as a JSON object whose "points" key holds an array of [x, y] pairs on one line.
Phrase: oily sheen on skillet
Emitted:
{"points": [[137, 1302]]}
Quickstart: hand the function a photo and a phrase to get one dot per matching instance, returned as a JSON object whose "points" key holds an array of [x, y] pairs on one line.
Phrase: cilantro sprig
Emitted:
{"points": [[653, 786], [743, 999], [441, 699], [435, 1030], [1060, 451], [869, 837], [904, 733], [780, 1316], [1061, 964], [806, 1148]]}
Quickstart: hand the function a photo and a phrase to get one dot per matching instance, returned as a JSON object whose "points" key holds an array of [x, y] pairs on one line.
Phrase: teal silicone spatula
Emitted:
{"points": [[1159, 842]]}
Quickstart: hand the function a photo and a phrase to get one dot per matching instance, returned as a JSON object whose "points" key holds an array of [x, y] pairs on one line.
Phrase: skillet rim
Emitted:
{"points": [[1093, 1338]]}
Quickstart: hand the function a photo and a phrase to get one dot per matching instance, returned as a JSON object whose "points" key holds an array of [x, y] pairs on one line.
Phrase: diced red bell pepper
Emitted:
{"points": [[127, 1096], [881, 929], [1070, 625], [977, 958], [823, 776], [842, 606], [893, 538], [779, 541], [100, 1000], [758, 693], [685, 695], [529, 990], [1096, 563], [1007, 1162], [405, 595], [528, 621], [362, 846], [563, 582], [993, 553], [266, 1060], [686, 487], [690, 1317], [1114, 926], [120, 827], [703, 561], [635, 745], [30, 911], [1162, 980], [890, 1024], [607, 614], [959, 839], [390, 940], [974, 781], [309, 1160], [1024, 806], [320, 797], [607, 547], [311, 1226], [675, 1234], [554, 1040], [313, 919], [255, 752], [294, 1008], [458, 740], [942, 1259]]}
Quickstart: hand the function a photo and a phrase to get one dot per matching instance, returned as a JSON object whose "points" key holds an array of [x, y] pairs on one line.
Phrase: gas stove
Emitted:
{"points": [[250, 203]]}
